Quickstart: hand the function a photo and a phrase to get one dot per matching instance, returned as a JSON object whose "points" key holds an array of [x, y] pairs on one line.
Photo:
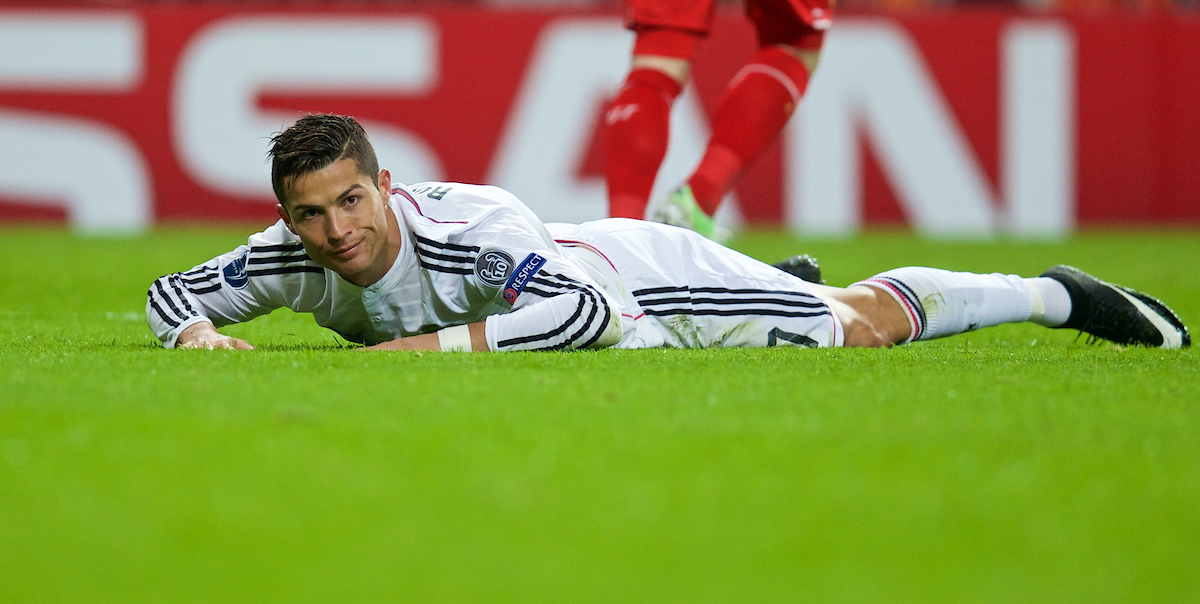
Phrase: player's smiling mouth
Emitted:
{"points": [[346, 252]]}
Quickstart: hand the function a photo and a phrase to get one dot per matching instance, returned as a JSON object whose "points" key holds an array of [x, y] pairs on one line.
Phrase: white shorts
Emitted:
{"points": [[678, 289]]}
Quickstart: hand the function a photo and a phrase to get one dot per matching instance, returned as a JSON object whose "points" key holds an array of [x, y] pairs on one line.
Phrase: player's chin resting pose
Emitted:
{"points": [[446, 266]]}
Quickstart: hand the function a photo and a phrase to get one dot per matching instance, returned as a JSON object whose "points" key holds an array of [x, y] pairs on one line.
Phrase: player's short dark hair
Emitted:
{"points": [[315, 142]]}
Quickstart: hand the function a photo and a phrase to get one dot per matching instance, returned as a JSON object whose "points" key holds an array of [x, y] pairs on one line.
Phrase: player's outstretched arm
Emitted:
{"points": [[252, 280], [451, 338], [204, 335]]}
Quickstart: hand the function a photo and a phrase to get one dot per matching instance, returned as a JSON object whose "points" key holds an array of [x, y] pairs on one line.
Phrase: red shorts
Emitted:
{"points": [[798, 23]]}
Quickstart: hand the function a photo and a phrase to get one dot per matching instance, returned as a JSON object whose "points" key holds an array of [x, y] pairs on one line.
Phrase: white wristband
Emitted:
{"points": [[455, 339]]}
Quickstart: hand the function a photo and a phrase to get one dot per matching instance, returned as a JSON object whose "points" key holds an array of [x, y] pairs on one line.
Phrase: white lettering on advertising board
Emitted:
{"points": [[93, 170]]}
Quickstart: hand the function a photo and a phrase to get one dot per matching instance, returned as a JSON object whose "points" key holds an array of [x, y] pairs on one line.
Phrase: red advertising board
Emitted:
{"points": [[168, 106]]}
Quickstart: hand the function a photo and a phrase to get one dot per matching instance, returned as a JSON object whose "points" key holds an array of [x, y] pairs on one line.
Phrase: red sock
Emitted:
{"points": [[637, 127], [756, 106]]}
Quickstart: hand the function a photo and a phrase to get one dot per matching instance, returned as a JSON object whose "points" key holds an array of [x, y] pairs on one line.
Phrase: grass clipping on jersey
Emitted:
{"points": [[1015, 464]]}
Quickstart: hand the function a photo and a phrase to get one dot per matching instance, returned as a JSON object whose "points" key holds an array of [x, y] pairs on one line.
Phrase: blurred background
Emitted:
{"points": [[867, 5], [974, 119]]}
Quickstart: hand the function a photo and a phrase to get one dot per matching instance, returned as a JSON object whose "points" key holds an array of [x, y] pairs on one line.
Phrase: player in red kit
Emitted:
{"points": [[755, 107]]}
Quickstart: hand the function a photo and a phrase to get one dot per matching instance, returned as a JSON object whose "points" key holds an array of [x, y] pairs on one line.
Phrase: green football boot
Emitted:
{"points": [[680, 209]]}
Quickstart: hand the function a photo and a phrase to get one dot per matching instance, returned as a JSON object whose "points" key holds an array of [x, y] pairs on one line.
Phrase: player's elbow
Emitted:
{"points": [[610, 332], [604, 323]]}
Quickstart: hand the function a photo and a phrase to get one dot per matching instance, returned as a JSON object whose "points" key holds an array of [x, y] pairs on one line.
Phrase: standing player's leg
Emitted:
{"points": [[757, 104], [637, 121]]}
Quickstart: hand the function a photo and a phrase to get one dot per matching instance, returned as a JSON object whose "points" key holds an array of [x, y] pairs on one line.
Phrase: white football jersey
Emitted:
{"points": [[475, 253], [470, 253]]}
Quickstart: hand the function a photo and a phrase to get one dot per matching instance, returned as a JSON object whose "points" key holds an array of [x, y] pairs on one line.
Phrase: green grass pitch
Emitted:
{"points": [[1016, 464]]}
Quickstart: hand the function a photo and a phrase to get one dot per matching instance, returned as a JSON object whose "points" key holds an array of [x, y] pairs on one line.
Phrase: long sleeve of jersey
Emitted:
{"points": [[231, 288], [559, 312], [544, 299]]}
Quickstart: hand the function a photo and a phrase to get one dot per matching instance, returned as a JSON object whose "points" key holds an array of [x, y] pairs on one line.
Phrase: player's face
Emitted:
{"points": [[343, 220]]}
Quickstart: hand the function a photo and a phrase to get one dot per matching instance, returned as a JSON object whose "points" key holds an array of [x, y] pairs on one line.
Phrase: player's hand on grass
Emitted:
{"points": [[204, 335]]}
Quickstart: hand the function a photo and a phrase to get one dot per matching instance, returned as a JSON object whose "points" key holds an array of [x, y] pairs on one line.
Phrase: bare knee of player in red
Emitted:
{"points": [[636, 131], [757, 105]]}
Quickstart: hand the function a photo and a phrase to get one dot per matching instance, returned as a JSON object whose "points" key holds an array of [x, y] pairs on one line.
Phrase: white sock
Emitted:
{"points": [[1051, 302], [943, 303]]}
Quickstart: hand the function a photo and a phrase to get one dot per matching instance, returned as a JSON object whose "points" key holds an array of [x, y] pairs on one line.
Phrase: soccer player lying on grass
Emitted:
{"points": [[446, 266]]}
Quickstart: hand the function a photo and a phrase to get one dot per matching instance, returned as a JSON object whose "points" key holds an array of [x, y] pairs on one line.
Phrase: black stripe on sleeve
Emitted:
{"points": [[458, 270], [588, 296], [444, 257], [566, 286], [583, 328], [597, 301], [554, 289], [445, 245], [158, 309], [277, 259], [199, 269], [282, 270], [537, 292], [202, 284], [204, 290], [163, 294], [205, 278], [603, 325], [174, 280], [567, 283], [583, 300], [285, 247]]}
